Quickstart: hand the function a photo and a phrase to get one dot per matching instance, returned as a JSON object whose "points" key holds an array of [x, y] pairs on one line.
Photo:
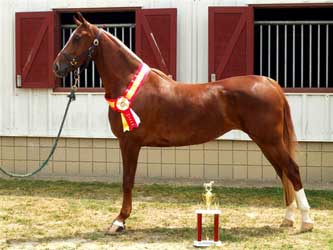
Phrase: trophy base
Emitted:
{"points": [[206, 243]]}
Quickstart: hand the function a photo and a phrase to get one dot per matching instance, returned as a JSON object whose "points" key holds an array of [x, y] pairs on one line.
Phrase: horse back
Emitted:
{"points": [[174, 113]]}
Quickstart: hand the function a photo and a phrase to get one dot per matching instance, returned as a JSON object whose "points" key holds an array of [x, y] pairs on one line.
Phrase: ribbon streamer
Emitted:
{"points": [[122, 104], [129, 119]]}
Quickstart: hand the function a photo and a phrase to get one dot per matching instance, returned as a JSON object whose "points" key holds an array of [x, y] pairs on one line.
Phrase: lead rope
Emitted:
{"points": [[71, 97]]}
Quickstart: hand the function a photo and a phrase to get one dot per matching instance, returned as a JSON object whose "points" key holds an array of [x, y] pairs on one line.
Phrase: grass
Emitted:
{"points": [[66, 215]]}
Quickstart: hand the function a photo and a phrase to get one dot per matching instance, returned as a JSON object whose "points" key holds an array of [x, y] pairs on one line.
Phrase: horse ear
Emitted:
{"points": [[81, 18], [78, 23]]}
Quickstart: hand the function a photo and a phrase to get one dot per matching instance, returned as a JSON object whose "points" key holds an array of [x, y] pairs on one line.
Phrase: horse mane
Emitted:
{"points": [[161, 74], [121, 44]]}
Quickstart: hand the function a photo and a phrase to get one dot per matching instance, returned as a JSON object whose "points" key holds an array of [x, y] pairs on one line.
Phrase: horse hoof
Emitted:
{"points": [[115, 228], [287, 223], [306, 227]]}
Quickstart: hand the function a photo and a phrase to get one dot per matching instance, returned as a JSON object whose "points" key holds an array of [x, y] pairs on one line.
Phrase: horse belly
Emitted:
{"points": [[185, 128]]}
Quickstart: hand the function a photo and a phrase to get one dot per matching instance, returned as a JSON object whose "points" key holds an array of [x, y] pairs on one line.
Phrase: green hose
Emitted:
{"points": [[71, 97]]}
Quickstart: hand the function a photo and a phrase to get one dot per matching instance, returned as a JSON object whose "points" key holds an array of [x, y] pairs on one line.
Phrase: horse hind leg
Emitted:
{"points": [[289, 193], [289, 197], [288, 171], [292, 173], [288, 188]]}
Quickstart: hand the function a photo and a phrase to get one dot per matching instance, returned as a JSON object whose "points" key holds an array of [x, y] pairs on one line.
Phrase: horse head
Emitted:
{"points": [[80, 48]]}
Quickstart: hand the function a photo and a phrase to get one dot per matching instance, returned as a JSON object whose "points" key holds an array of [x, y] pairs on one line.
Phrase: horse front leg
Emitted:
{"points": [[130, 152]]}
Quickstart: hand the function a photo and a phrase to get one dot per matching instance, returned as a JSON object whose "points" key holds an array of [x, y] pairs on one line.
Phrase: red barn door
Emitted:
{"points": [[35, 49], [156, 38], [230, 42]]}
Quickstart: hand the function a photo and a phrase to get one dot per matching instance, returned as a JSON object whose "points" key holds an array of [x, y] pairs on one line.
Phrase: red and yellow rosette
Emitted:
{"points": [[123, 103]]}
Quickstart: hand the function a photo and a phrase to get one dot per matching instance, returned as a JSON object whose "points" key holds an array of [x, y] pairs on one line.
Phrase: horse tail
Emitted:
{"points": [[289, 138]]}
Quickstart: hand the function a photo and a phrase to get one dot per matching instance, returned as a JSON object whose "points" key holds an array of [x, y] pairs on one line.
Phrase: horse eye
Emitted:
{"points": [[76, 38]]}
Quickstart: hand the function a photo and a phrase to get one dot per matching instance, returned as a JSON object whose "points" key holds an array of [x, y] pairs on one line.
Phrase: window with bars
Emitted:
{"points": [[294, 46], [39, 36], [119, 24]]}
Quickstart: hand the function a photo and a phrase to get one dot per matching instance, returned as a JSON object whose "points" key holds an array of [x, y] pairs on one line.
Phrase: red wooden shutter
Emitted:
{"points": [[34, 49], [156, 42], [230, 42]]}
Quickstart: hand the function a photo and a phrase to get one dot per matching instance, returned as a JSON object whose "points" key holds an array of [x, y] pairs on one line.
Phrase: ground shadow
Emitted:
{"points": [[148, 193], [158, 234]]}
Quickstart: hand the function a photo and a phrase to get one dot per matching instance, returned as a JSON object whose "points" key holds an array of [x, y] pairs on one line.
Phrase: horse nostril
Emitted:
{"points": [[56, 67]]}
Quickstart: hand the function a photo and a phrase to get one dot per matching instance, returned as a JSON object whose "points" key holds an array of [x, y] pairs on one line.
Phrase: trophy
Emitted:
{"points": [[208, 198]]}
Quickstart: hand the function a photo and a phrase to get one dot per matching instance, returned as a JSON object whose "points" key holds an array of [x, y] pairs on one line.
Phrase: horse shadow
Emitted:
{"points": [[157, 234]]}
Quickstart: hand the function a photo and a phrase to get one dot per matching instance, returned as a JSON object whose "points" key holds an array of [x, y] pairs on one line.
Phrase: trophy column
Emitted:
{"points": [[206, 243], [199, 226], [216, 227]]}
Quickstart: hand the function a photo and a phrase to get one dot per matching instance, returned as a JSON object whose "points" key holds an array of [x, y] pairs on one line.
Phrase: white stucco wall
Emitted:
{"points": [[37, 112]]}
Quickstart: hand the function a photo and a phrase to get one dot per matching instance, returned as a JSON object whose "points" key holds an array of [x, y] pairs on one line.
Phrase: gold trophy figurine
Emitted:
{"points": [[208, 196]]}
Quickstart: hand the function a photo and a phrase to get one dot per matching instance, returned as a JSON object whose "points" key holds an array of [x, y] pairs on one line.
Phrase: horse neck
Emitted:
{"points": [[115, 65]]}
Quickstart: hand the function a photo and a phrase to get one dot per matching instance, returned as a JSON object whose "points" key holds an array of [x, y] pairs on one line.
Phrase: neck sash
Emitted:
{"points": [[123, 103]]}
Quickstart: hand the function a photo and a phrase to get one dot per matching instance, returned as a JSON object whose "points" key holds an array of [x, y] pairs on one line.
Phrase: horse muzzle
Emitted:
{"points": [[60, 69]]}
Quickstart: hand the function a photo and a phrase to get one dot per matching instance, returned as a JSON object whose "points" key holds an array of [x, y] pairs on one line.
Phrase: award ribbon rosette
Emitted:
{"points": [[123, 103]]}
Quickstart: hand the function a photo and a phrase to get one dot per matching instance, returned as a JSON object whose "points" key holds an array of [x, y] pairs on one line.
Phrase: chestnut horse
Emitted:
{"points": [[177, 114]]}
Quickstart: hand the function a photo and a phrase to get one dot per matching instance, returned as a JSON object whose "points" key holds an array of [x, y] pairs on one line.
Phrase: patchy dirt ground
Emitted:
{"points": [[64, 215]]}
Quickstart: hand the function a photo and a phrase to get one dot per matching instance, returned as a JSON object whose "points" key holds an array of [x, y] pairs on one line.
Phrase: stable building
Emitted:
{"points": [[190, 41]]}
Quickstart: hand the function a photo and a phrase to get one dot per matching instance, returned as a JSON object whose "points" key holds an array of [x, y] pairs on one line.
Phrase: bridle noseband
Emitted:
{"points": [[74, 60]]}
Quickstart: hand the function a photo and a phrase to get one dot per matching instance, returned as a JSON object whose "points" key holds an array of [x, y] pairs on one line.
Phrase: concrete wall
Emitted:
{"points": [[221, 160]]}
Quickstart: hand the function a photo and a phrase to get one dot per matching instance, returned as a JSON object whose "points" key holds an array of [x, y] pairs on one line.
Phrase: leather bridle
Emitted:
{"points": [[74, 60]]}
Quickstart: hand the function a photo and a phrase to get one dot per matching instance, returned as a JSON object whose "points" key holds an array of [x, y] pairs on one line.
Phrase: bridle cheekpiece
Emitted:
{"points": [[74, 60]]}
